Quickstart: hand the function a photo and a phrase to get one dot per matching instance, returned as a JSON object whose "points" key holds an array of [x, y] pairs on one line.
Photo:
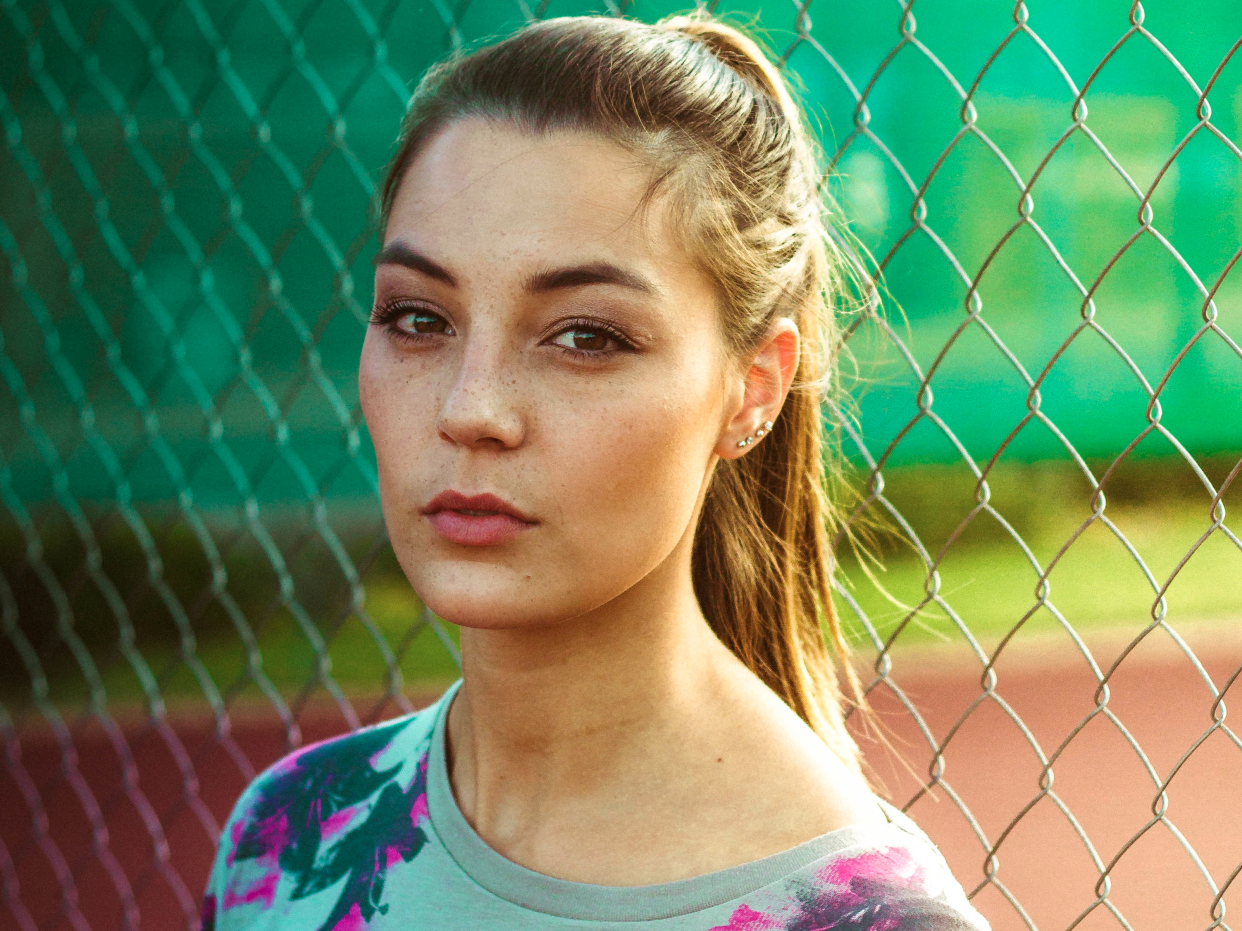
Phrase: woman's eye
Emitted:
{"points": [[423, 322], [584, 339]]}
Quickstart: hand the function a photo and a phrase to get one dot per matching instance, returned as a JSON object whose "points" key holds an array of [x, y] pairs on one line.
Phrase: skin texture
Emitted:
{"points": [[603, 733]]}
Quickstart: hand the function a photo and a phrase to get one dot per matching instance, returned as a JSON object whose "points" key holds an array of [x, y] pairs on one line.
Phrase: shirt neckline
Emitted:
{"points": [[584, 901]]}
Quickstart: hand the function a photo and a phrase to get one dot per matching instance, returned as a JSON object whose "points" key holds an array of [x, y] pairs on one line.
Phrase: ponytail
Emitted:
{"points": [[711, 111], [762, 562]]}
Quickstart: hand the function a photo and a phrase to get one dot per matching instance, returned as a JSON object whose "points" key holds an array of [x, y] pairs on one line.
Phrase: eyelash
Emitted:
{"points": [[624, 343], [389, 314]]}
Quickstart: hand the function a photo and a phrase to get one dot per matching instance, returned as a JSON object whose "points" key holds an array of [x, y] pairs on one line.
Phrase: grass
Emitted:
{"points": [[985, 578], [1095, 581]]}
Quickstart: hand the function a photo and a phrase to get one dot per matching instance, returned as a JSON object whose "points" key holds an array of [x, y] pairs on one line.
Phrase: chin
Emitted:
{"points": [[484, 597], [481, 614]]}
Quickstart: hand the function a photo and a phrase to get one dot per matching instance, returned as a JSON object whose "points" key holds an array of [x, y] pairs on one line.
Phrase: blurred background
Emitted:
{"points": [[1041, 429]]}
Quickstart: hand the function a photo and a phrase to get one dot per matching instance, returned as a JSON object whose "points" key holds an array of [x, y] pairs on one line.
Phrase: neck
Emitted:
{"points": [[536, 688], [546, 711]]}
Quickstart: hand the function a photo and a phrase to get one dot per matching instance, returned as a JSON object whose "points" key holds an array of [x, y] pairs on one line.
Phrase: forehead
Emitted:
{"points": [[484, 185]]}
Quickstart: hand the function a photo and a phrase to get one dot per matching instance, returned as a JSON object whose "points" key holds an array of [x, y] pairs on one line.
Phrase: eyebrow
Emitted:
{"points": [[398, 253], [574, 276]]}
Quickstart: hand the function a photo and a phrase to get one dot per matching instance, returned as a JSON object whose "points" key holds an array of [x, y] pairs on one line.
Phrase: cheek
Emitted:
{"points": [[393, 393], [370, 384], [631, 465], [375, 390]]}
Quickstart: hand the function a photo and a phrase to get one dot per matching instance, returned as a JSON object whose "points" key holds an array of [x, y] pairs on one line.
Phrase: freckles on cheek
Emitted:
{"points": [[626, 462], [398, 405]]}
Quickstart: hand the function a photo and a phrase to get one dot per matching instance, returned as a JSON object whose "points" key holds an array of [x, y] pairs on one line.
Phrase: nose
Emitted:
{"points": [[481, 408]]}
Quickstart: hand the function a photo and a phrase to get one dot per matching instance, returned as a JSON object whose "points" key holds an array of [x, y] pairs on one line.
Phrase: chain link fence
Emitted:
{"points": [[1046, 430]]}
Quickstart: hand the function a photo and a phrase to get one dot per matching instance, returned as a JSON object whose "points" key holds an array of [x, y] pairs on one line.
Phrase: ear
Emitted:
{"points": [[767, 380]]}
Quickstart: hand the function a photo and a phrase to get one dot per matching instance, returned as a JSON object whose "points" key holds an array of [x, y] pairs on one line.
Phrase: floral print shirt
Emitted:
{"points": [[361, 833]]}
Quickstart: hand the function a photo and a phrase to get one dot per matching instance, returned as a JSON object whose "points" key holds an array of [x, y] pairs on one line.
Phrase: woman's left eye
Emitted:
{"points": [[585, 339]]}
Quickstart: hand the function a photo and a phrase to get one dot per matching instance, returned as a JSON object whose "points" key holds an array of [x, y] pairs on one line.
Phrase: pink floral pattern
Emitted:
{"points": [[324, 815]]}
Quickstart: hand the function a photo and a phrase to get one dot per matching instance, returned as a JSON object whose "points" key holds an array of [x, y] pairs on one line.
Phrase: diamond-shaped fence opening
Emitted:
{"points": [[1043, 429]]}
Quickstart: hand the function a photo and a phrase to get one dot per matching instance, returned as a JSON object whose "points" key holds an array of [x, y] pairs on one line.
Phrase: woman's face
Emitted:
{"points": [[544, 379]]}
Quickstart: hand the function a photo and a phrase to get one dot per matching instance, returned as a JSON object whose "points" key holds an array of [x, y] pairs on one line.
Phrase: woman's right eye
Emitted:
{"points": [[423, 321], [416, 323]]}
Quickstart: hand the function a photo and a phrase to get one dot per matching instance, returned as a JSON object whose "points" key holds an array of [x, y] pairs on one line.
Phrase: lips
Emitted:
{"points": [[475, 520]]}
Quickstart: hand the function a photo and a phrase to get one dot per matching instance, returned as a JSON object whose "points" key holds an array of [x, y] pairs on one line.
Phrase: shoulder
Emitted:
{"points": [[890, 877], [342, 809], [900, 884], [792, 784]]}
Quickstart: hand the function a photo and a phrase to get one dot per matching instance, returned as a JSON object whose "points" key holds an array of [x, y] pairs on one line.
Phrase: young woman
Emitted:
{"points": [[593, 377]]}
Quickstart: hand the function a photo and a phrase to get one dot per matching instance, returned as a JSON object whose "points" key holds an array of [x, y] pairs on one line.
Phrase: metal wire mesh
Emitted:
{"points": [[195, 573]]}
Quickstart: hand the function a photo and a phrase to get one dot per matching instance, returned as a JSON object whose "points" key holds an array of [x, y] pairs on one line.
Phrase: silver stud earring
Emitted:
{"points": [[759, 434]]}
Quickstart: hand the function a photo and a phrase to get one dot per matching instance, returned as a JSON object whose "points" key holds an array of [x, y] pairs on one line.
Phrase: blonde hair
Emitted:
{"points": [[712, 113]]}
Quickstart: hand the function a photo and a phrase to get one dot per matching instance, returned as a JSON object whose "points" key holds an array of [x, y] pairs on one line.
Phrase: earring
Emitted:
{"points": [[759, 434]]}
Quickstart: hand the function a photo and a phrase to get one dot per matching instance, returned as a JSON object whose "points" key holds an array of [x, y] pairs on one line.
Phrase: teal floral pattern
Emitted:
{"points": [[325, 815]]}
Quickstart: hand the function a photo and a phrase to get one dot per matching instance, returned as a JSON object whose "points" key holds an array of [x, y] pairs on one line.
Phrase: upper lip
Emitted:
{"points": [[455, 501]]}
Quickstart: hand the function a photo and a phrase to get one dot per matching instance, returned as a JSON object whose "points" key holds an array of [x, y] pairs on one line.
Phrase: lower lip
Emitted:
{"points": [[477, 530]]}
